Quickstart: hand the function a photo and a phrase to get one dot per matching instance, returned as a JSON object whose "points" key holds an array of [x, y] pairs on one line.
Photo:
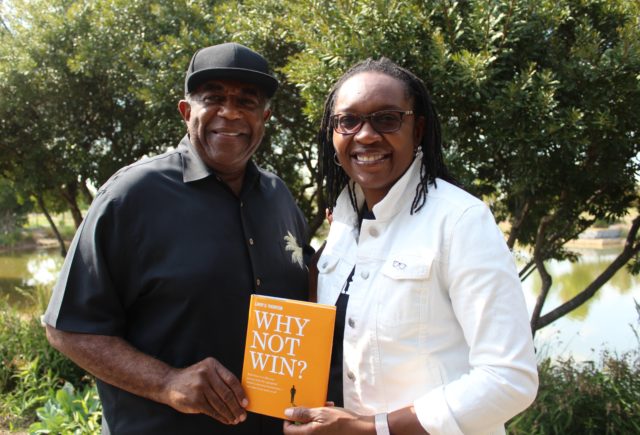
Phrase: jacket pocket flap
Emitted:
{"points": [[409, 266]]}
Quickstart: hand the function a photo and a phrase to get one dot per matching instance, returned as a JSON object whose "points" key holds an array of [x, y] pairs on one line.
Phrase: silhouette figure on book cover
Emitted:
{"points": [[293, 395]]}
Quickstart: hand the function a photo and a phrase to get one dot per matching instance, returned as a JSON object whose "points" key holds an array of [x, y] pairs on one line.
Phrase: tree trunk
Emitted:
{"points": [[63, 248], [85, 192], [516, 224], [538, 257], [70, 192]]}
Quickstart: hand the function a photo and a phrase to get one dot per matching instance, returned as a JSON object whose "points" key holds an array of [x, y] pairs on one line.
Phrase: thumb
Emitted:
{"points": [[300, 414]]}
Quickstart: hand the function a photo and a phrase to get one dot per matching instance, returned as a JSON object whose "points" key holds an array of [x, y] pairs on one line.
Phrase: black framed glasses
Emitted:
{"points": [[384, 121]]}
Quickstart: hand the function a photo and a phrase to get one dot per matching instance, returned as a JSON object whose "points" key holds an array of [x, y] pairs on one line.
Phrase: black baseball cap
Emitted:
{"points": [[230, 61]]}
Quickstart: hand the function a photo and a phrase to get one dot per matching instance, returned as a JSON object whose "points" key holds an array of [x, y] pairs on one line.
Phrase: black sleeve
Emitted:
{"points": [[86, 297]]}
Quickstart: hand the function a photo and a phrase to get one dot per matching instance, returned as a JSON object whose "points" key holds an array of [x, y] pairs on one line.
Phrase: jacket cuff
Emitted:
{"points": [[434, 414]]}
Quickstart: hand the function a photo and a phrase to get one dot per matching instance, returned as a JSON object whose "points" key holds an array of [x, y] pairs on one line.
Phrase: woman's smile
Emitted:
{"points": [[369, 158]]}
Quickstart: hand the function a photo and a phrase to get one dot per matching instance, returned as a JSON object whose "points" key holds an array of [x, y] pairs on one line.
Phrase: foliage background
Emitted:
{"points": [[538, 98], [539, 101]]}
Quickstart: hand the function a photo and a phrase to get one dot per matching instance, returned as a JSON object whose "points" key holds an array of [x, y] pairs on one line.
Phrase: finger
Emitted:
{"points": [[329, 403], [207, 400], [233, 384], [224, 402], [299, 414], [291, 428], [223, 398], [217, 408]]}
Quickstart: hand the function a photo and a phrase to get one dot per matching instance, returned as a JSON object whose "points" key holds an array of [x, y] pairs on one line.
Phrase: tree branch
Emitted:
{"points": [[631, 248]]}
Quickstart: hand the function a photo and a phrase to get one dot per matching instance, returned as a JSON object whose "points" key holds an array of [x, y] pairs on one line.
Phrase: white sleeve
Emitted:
{"points": [[488, 302]]}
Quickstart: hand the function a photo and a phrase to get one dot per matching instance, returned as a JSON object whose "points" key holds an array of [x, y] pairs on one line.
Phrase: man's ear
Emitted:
{"points": [[266, 115], [185, 110]]}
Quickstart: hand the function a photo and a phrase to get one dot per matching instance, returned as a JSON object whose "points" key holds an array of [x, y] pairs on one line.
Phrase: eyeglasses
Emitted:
{"points": [[384, 121]]}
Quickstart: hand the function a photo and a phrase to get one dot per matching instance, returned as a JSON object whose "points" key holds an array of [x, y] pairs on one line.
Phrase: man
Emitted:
{"points": [[154, 294]]}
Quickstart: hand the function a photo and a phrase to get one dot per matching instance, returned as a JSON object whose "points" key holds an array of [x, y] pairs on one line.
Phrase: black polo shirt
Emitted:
{"points": [[167, 258]]}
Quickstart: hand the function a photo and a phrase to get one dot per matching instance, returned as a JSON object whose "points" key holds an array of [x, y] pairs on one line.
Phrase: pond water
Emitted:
{"points": [[21, 272], [609, 321]]}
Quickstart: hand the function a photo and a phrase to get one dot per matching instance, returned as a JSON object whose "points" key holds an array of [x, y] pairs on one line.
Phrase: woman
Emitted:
{"points": [[433, 335]]}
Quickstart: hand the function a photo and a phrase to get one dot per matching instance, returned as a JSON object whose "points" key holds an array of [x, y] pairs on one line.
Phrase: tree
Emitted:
{"points": [[559, 137], [80, 92], [539, 102], [538, 98]]}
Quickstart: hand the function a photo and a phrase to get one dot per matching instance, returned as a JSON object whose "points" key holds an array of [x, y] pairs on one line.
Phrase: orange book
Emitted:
{"points": [[287, 354]]}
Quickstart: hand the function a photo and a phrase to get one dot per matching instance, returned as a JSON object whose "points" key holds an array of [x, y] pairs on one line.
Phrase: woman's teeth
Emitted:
{"points": [[369, 157]]}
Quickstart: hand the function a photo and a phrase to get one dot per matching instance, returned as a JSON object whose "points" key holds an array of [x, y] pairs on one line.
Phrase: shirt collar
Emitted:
{"points": [[194, 169]]}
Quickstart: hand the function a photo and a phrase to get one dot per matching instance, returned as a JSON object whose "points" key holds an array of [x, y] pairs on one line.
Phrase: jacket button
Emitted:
{"points": [[374, 232], [351, 376], [250, 241], [364, 274], [352, 323]]}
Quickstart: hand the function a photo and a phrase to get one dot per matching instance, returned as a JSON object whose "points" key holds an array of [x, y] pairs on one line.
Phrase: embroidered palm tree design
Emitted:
{"points": [[296, 250]]}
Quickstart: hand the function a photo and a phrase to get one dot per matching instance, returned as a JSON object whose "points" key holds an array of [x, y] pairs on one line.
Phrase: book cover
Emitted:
{"points": [[287, 354]]}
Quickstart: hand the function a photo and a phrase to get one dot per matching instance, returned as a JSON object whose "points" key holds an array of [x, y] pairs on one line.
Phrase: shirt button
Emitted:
{"points": [[250, 241], [351, 376], [352, 323], [364, 274], [258, 282], [324, 264], [241, 204], [374, 232]]}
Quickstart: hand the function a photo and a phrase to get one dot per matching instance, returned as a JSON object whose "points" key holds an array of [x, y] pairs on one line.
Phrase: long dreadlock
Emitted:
{"points": [[432, 165]]}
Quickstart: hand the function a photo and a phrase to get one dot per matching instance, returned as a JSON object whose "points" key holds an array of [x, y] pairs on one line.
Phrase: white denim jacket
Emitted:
{"points": [[436, 315]]}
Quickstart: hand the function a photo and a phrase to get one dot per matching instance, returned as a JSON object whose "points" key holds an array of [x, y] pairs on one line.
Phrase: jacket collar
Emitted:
{"points": [[394, 201]]}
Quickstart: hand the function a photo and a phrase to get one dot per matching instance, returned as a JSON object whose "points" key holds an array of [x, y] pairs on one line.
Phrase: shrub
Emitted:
{"points": [[30, 369], [70, 412], [584, 398]]}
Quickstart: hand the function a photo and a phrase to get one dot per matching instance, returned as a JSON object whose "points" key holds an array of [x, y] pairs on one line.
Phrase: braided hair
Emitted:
{"points": [[432, 165]]}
